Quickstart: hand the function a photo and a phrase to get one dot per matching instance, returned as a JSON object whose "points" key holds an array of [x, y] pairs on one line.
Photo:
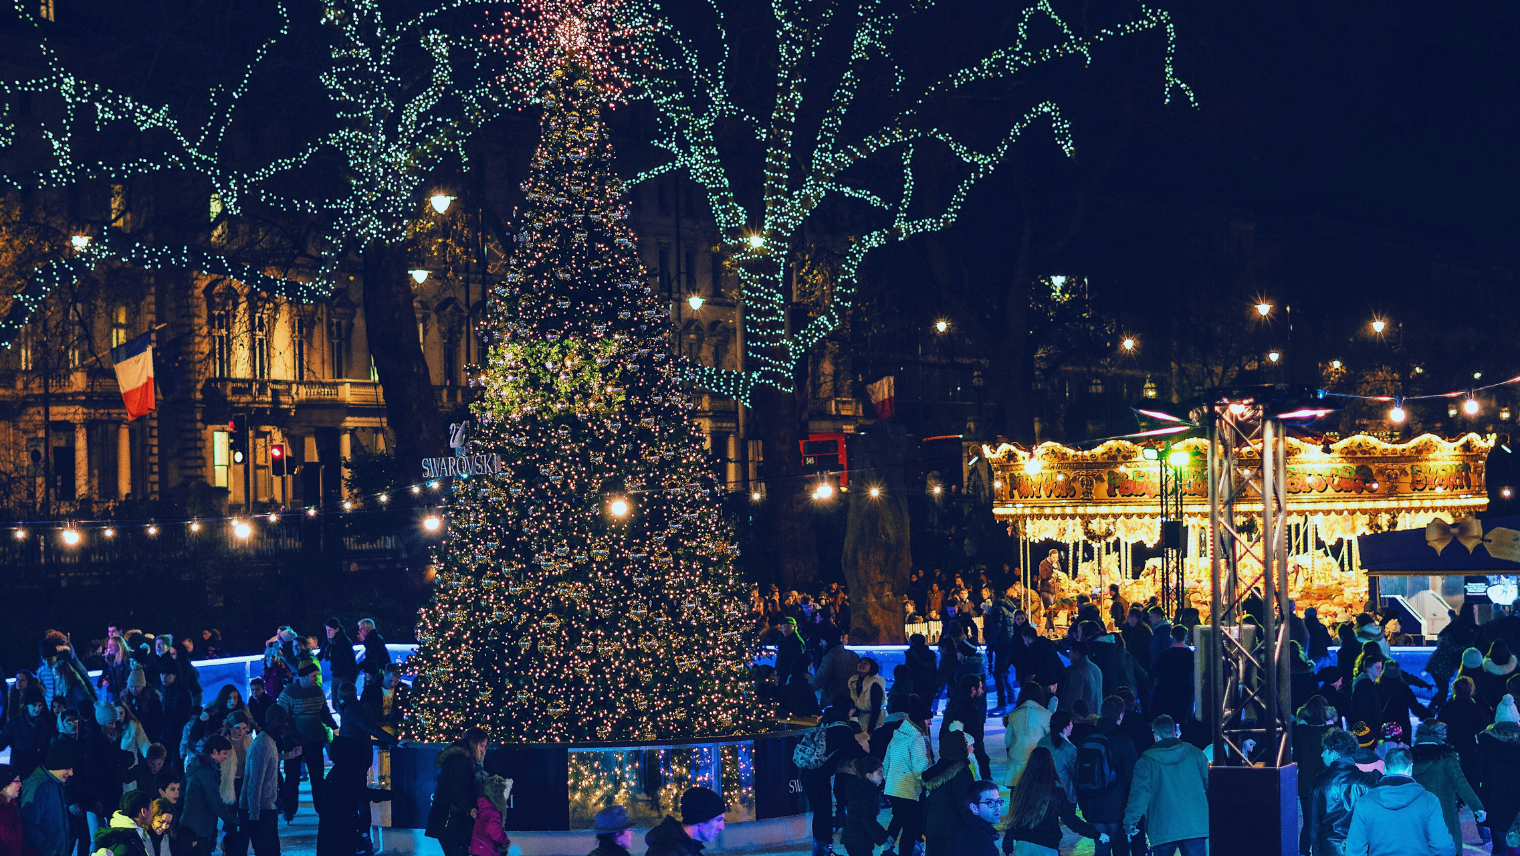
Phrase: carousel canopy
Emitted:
{"points": [[1348, 488]]}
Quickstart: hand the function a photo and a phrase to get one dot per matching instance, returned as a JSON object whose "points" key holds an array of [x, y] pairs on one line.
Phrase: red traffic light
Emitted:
{"points": [[277, 451]]}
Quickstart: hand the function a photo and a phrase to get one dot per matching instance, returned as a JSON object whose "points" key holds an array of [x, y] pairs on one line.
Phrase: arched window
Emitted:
{"points": [[693, 334], [219, 306]]}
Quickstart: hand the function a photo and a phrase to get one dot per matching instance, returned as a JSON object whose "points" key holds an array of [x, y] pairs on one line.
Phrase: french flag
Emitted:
{"points": [[134, 374]]}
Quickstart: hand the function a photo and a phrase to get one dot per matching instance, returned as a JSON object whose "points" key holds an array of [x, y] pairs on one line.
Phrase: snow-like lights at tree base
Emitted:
{"points": [[588, 592]]}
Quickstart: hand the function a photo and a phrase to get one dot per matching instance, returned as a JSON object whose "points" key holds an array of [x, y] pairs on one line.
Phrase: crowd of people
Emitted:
{"points": [[1102, 732], [133, 762]]}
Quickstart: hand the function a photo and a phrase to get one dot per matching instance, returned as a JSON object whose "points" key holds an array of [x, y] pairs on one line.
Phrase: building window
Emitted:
{"points": [[120, 217], [664, 269], [28, 350], [259, 323], [221, 459], [451, 355], [300, 329], [47, 11], [337, 343], [221, 343], [374, 373], [118, 326]]}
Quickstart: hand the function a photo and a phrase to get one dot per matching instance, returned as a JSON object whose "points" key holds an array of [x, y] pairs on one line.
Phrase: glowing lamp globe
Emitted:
{"points": [[71, 536], [431, 523], [1396, 415], [1033, 466], [695, 302], [1263, 309], [1379, 325], [756, 241], [618, 508], [1470, 407], [419, 275], [1179, 458], [440, 202], [824, 491], [242, 530]]}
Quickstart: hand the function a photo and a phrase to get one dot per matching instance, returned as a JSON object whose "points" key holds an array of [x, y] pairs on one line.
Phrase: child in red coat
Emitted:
{"points": [[489, 838]]}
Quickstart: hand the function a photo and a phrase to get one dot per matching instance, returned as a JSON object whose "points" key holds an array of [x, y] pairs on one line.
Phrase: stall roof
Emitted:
{"points": [[1407, 552]]}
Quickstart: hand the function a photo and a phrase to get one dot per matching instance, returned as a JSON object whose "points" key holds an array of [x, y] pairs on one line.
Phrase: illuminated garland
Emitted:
{"points": [[691, 98], [389, 141], [588, 592]]}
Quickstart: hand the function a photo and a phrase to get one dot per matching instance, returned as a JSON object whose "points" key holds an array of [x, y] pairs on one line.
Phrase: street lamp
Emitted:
{"points": [[1263, 309], [1274, 356], [941, 325], [1379, 325], [419, 275], [80, 241], [695, 301], [1128, 344], [756, 241], [440, 202]]}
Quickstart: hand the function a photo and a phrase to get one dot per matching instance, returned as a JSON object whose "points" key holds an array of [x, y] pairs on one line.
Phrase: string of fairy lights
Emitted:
{"points": [[393, 135], [692, 100]]}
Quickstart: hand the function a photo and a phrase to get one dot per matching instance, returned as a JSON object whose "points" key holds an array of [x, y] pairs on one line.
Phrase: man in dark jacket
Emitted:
{"points": [[376, 655], [1161, 630], [1000, 627], [449, 819], [1103, 804], [29, 733], [1398, 816], [1336, 792], [977, 837], [1106, 650], [1045, 666], [45, 803], [924, 666], [1137, 638], [701, 822], [176, 709], [338, 651]]}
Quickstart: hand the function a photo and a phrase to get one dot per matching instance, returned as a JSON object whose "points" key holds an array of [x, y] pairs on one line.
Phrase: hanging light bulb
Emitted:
{"points": [[1470, 406], [311, 512], [71, 535], [110, 532], [20, 534], [1396, 414], [241, 529], [755, 496], [431, 523], [273, 517], [875, 491], [195, 526], [618, 507], [152, 529], [824, 491], [1128, 344], [756, 241]]}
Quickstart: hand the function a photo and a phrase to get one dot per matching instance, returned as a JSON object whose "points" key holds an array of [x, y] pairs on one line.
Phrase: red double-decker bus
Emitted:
{"points": [[827, 453]]}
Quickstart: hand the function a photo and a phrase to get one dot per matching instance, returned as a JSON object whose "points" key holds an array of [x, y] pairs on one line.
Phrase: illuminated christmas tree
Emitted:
{"points": [[586, 590]]}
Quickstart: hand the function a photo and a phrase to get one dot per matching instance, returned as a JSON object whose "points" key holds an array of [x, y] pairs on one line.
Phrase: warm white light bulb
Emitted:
{"points": [[824, 491], [80, 241], [1129, 344], [876, 491], [1470, 407], [71, 536], [1033, 466], [618, 508], [242, 530], [941, 326], [431, 523], [1396, 414], [756, 241]]}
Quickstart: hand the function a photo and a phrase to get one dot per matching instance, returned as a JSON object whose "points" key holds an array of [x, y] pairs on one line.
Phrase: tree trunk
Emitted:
{"points": [[877, 554], [411, 409], [782, 418]]}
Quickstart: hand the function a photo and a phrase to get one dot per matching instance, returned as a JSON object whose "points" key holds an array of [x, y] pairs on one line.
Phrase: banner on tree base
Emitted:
{"points": [[461, 465]]}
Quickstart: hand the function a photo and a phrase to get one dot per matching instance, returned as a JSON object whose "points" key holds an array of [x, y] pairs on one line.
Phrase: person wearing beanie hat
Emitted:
{"points": [[1438, 770], [701, 822], [45, 801], [338, 650], [1497, 667], [312, 727], [614, 832], [11, 838], [144, 703], [1336, 791], [106, 713], [1498, 768]]}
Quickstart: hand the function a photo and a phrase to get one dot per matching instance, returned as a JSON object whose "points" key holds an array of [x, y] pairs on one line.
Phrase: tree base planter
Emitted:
{"points": [[559, 787]]}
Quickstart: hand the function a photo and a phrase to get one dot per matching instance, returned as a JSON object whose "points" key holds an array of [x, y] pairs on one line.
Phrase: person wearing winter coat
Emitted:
{"points": [[1023, 729], [45, 802], [125, 833], [968, 707], [1310, 725], [338, 651], [1037, 807], [1063, 752], [1453, 640], [489, 837], [1001, 628], [862, 780], [1336, 792], [832, 679], [908, 756], [701, 823], [614, 832], [312, 727], [1045, 666], [1497, 667], [924, 666], [11, 838], [1464, 718], [203, 805], [1319, 638], [1083, 681], [1366, 698], [1137, 638], [455, 795], [376, 655], [258, 803], [1399, 701], [840, 745], [1438, 770], [1104, 808], [177, 707], [978, 836], [1170, 790], [947, 781], [112, 683], [1498, 780], [30, 733], [868, 692], [61, 673], [1397, 816], [1118, 666]]}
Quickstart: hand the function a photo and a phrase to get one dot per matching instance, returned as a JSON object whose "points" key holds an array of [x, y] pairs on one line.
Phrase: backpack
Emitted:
{"points": [[1095, 765], [811, 753]]}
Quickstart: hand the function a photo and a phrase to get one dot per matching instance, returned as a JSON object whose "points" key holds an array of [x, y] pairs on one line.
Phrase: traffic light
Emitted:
{"points": [[237, 438], [277, 459]]}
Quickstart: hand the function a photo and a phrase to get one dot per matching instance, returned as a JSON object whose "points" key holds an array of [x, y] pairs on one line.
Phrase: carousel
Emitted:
{"points": [[1108, 507]]}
